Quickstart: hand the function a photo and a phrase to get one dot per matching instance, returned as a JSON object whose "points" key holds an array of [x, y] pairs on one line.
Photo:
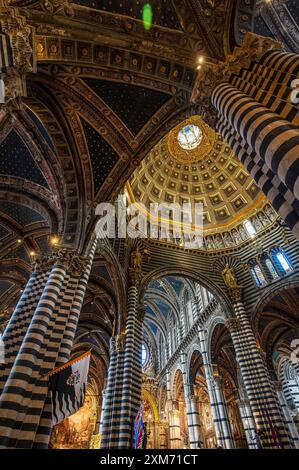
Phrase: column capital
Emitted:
{"points": [[141, 311], [233, 324], [235, 294], [69, 258], [20, 39], [211, 74], [117, 343]]}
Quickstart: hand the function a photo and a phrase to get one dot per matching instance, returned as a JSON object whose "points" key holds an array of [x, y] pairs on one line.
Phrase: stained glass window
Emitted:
{"points": [[144, 354], [271, 268], [283, 262], [258, 276], [190, 137]]}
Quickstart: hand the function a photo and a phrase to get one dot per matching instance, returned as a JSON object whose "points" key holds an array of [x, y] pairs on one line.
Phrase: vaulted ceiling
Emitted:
{"points": [[105, 91]]}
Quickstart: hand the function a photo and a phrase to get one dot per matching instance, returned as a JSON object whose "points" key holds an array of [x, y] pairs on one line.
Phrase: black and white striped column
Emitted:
{"points": [[111, 411], [217, 401], [34, 340], [123, 391], [248, 424], [256, 379], [191, 407], [259, 118], [293, 431], [173, 417]]}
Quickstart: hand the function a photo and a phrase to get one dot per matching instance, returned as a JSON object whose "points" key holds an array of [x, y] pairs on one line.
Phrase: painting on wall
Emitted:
{"points": [[76, 431]]}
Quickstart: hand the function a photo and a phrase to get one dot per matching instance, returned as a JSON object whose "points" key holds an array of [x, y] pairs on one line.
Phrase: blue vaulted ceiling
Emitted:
{"points": [[21, 214], [134, 105], [164, 13], [4, 285], [16, 160], [3, 231], [103, 157], [20, 253]]}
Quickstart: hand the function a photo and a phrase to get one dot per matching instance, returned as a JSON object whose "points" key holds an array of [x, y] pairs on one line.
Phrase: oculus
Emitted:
{"points": [[191, 141], [190, 137]]}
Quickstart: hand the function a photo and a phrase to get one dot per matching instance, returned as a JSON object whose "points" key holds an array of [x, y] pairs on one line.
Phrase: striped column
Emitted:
{"points": [[259, 118], [191, 408], [293, 431], [173, 417], [123, 391], [228, 439], [275, 140], [19, 322], [248, 424], [258, 387], [34, 340], [217, 402], [17, 426], [131, 390], [111, 413], [69, 307]]}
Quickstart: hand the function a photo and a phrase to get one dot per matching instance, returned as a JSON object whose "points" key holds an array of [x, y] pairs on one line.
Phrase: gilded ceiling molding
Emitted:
{"points": [[122, 65], [119, 30]]}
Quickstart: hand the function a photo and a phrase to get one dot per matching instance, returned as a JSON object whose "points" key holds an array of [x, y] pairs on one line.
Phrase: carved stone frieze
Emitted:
{"points": [[20, 42], [68, 258], [235, 293], [211, 74], [58, 6]]}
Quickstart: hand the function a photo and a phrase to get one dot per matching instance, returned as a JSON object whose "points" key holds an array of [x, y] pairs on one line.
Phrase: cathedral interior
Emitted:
{"points": [[137, 103]]}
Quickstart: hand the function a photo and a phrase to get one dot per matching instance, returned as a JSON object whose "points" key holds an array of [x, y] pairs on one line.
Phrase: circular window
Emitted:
{"points": [[189, 137], [144, 354]]}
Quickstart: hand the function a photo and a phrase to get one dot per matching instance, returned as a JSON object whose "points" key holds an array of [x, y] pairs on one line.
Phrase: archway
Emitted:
{"points": [[227, 373], [198, 381]]}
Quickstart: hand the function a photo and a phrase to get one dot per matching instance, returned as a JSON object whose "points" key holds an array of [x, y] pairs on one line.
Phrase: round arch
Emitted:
{"points": [[189, 274], [149, 397]]}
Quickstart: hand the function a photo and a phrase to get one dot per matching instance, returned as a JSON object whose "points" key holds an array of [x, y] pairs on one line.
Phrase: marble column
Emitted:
{"points": [[191, 408], [217, 401], [36, 344], [125, 374], [259, 389]]}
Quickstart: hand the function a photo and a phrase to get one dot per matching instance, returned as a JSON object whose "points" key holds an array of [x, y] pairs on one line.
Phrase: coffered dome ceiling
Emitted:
{"points": [[213, 176]]}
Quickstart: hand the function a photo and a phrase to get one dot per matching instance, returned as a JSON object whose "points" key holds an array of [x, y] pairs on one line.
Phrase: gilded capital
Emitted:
{"points": [[18, 45], [68, 258], [210, 75], [233, 324], [117, 343]]}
